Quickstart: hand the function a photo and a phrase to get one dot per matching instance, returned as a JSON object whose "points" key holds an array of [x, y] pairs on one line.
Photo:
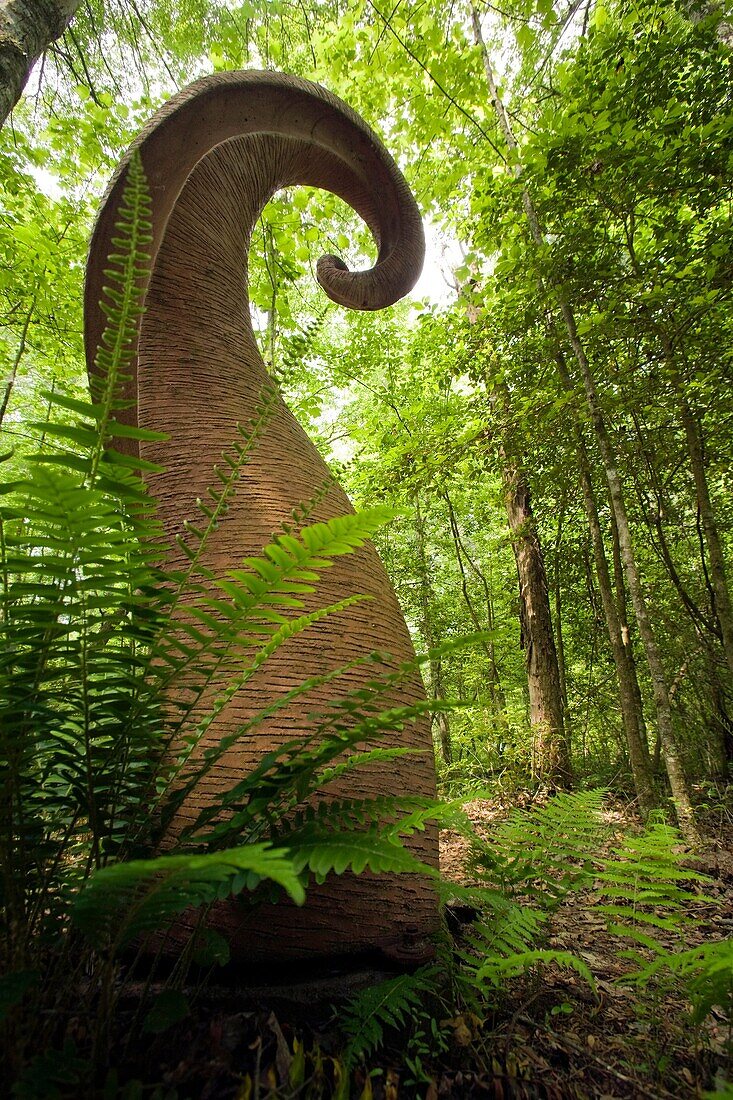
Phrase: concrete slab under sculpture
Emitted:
{"points": [[213, 156]]}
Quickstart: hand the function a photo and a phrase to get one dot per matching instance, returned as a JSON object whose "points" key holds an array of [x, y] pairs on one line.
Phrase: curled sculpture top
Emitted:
{"points": [[214, 156], [346, 158]]}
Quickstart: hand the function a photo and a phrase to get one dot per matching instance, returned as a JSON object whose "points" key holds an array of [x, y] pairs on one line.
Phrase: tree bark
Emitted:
{"points": [[27, 28], [722, 606], [660, 691], [496, 691], [629, 694], [16, 361], [560, 645], [551, 755], [427, 627], [723, 610]]}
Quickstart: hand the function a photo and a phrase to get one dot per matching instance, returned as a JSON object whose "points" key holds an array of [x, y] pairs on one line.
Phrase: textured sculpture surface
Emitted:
{"points": [[214, 156]]}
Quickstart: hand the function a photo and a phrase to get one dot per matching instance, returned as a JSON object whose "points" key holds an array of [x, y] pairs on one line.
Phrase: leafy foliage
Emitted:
{"points": [[390, 1004], [545, 853], [706, 973], [648, 887], [125, 900], [525, 869]]}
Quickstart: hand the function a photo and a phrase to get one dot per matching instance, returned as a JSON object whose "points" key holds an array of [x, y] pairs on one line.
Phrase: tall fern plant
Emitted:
{"points": [[93, 764]]}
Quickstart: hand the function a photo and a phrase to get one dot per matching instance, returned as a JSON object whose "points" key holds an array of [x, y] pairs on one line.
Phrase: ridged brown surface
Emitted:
{"points": [[214, 156]]}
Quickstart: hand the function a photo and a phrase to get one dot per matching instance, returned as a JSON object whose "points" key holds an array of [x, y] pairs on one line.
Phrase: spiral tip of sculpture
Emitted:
{"points": [[383, 285]]}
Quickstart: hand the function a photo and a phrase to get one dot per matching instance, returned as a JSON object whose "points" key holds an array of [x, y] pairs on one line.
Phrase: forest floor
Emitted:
{"points": [[556, 1038], [548, 1036]]}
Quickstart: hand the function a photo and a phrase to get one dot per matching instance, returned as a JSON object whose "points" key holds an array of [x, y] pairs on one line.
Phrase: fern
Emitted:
{"points": [[499, 969], [525, 869], [649, 894], [122, 306], [124, 900], [296, 347], [649, 889], [545, 853], [390, 1004], [706, 972], [222, 494]]}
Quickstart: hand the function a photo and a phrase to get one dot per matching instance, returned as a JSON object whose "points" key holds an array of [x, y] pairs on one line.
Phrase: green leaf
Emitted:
{"points": [[122, 901]]}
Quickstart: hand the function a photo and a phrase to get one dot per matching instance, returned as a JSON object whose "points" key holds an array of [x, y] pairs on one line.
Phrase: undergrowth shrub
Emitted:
{"points": [[523, 871]]}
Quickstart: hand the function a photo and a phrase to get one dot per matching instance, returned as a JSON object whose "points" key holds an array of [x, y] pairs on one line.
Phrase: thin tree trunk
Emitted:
{"points": [[558, 612], [722, 604], [628, 686], [16, 361], [552, 752], [427, 599], [655, 524], [723, 609], [27, 28], [623, 612], [721, 727], [496, 691], [551, 756], [673, 761]]}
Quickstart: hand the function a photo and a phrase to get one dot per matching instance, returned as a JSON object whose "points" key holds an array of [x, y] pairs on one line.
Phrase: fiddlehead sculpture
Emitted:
{"points": [[214, 155]]}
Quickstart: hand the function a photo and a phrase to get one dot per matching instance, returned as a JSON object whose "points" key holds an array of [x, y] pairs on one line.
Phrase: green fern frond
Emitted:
{"points": [[353, 851], [505, 929], [706, 971], [495, 971], [191, 773], [121, 302], [126, 900], [222, 494], [390, 1004], [258, 599], [525, 868], [648, 887], [350, 812], [545, 853]]}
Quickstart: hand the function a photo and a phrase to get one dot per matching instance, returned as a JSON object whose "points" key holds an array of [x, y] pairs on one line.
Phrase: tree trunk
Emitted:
{"points": [[673, 762], [427, 628], [558, 612], [552, 755], [16, 361], [722, 606], [722, 610], [27, 28], [629, 695], [496, 691]]}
